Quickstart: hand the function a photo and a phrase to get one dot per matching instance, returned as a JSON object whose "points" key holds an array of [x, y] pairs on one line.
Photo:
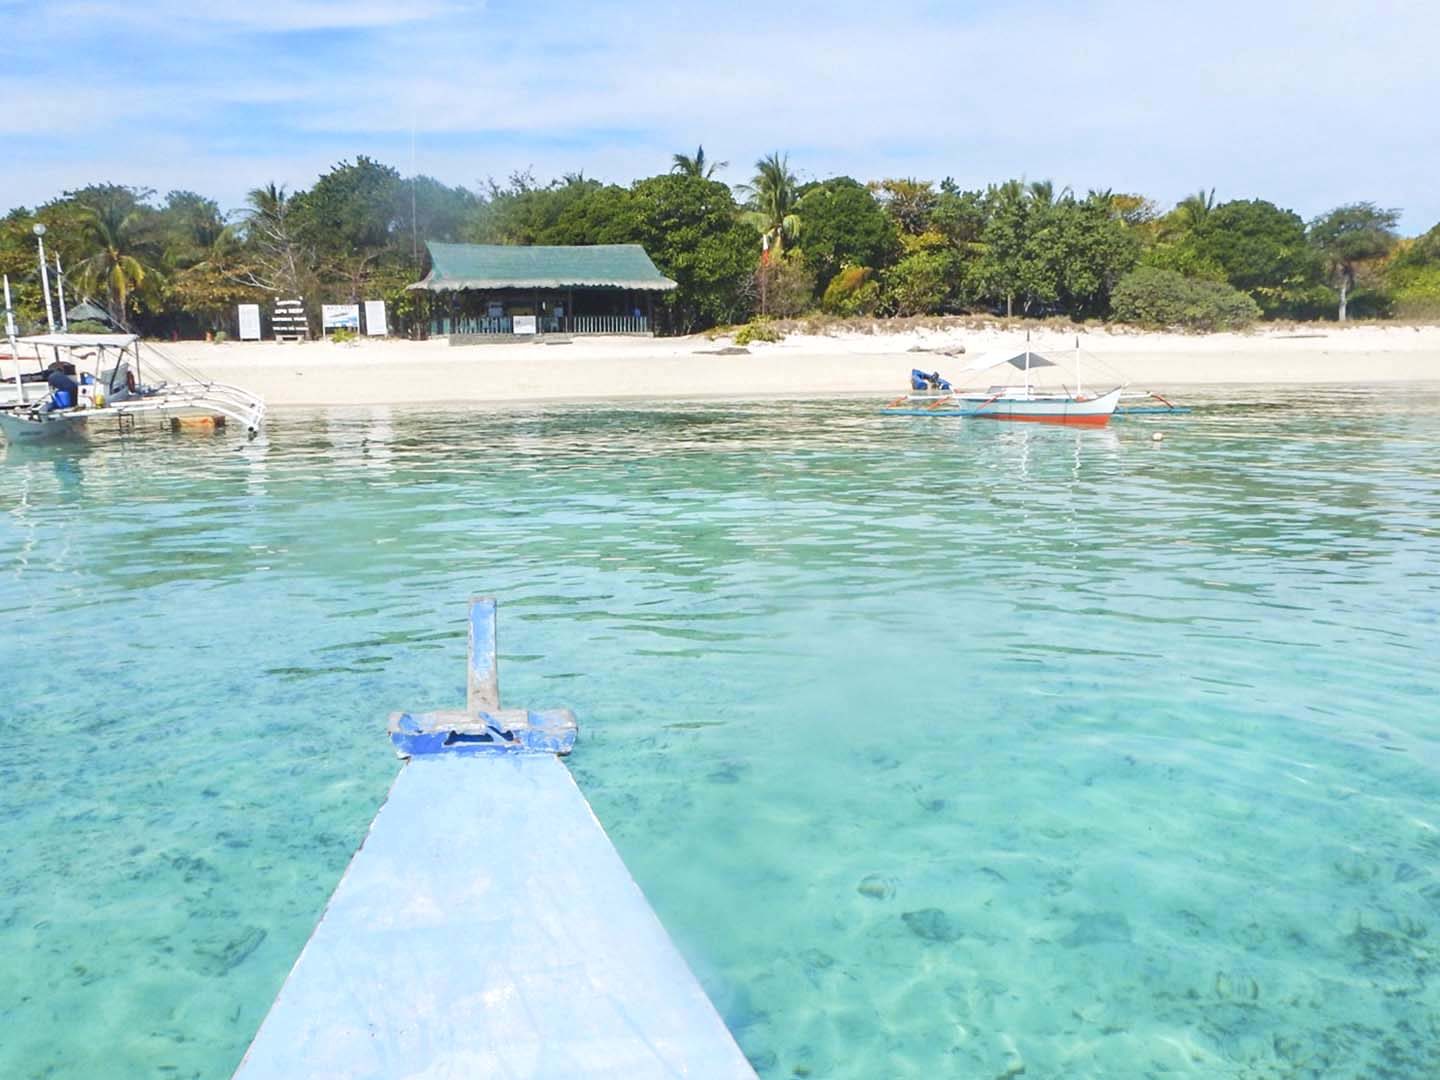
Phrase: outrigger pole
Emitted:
{"points": [[10, 337]]}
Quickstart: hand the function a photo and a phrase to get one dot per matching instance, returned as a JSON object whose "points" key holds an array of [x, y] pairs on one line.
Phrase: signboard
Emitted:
{"points": [[289, 320], [375, 318], [340, 317], [249, 322], [524, 324]]}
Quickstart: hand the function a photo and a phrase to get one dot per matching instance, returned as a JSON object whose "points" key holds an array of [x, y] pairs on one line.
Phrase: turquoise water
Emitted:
{"points": [[941, 748]]}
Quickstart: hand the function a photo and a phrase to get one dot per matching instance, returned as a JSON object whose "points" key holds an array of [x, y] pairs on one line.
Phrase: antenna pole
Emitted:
{"points": [[1079, 385], [14, 349], [45, 283]]}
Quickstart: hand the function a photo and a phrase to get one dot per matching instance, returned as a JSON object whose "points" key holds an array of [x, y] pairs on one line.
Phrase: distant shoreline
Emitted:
{"points": [[842, 364]]}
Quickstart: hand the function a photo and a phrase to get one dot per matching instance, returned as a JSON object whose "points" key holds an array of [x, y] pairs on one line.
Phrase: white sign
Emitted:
{"points": [[375, 318], [249, 322], [340, 317], [524, 324]]}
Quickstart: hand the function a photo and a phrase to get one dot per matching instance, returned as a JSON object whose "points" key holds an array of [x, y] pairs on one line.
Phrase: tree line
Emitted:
{"points": [[771, 247]]}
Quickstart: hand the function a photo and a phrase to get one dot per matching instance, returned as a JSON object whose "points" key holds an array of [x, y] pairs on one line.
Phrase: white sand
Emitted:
{"points": [[375, 372]]}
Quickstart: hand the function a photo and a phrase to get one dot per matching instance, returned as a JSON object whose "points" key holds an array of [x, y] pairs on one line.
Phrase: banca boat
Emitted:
{"points": [[932, 395], [115, 382]]}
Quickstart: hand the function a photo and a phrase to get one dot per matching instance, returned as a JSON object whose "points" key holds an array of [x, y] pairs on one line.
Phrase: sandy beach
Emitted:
{"points": [[411, 372]]}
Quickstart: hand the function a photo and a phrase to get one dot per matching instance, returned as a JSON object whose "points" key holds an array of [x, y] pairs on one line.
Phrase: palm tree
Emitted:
{"points": [[773, 195], [1043, 192], [1194, 209], [280, 263], [697, 165], [120, 265]]}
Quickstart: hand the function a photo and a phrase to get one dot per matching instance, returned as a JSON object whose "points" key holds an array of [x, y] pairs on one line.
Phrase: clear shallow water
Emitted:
{"points": [[938, 747]]}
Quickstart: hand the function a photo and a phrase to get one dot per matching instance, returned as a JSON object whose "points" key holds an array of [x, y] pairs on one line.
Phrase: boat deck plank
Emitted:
{"points": [[488, 928]]}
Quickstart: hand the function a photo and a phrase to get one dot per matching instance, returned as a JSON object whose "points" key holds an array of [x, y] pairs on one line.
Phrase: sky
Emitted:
{"points": [[1308, 104]]}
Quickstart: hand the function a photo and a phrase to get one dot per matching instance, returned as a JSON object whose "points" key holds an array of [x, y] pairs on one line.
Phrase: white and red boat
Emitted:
{"points": [[1025, 402]]}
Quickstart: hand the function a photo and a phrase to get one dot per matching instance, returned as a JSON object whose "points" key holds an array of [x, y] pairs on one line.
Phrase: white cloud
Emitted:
{"points": [[1283, 100]]}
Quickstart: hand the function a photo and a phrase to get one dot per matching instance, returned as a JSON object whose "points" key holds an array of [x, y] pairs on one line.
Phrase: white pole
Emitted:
{"points": [[45, 282], [1079, 385], [1027, 363], [14, 349], [60, 287]]}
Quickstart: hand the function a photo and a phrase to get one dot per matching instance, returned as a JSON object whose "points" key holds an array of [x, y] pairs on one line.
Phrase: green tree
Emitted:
{"points": [[1412, 276], [917, 284], [1351, 237], [909, 202], [698, 165], [1091, 249], [1264, 251], [1192, 212], [430, 210], [278, 260], [527, 212], [349, 218], [692, 230], [602, 215], [773, 195], [1015, 248], [117, 226], [844, 226]]}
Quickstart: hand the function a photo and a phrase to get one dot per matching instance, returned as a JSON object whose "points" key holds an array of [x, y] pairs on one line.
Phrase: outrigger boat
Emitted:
{"points": [[112, 384], [100, 376], [932, 395]]}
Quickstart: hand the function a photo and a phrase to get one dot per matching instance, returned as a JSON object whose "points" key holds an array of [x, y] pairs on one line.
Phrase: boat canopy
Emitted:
{"points": [[1025, 360], [81, 341]]}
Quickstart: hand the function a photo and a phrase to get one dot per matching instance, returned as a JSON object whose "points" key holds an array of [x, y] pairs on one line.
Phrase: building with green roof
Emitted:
{"points": [[490, 290]]}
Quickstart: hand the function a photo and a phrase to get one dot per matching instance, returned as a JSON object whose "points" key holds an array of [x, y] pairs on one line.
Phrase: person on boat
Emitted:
{"points": [[62, 382]]}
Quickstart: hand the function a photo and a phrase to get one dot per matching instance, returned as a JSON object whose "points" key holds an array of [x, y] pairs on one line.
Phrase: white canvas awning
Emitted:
{"points": [[81, 341]]}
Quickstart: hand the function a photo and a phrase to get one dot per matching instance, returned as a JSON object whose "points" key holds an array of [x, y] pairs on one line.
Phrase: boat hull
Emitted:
{"points": [[19, 428], [1047, 409], [1034, 409]]}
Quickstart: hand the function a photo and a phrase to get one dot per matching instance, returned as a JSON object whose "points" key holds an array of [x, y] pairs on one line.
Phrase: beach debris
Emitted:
{"points": [[932, 924], [943, 350], [724, 350], [876, 887]]}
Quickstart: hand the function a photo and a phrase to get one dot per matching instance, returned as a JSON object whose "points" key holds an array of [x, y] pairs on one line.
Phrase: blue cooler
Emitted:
{"points": [[63, 399]]}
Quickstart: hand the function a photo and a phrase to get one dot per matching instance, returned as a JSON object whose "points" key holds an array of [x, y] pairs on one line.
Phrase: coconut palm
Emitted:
{"points": [[773, 195], [281, 263], [697, 165], [123, 262], [1194, 209], [1043, 192]]}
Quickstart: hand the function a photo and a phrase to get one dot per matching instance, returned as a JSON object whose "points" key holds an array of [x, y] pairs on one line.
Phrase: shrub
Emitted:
{"points": [[759, 329], [343, 336], [221, 337], [1154, 297], [1416, 290], [851, 292], [917, 284]]}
